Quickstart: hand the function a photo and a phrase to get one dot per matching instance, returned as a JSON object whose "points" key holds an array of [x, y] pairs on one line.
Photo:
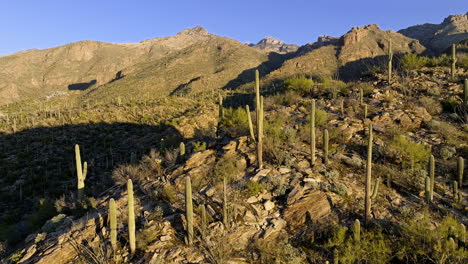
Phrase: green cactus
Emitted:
{"points": [[454, 61], [81, 174], [460, 169], [259, 109], [260, 135], [367, 202], [375, 190], [465, 92], [221, 112], [451, 245], [431, 174], [225, 204], [335, 256], [455, 190], [356, 228], [113, 223], [204, 221], [312, 132], [390, 60], [427, 189], [182, 151], [365, 111], [361, 96], [131, 217], [325, 146], [249, 119], [189, 210], [462, 236]]}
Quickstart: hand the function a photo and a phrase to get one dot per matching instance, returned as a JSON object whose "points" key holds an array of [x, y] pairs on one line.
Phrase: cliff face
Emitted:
{"points": [[438, 37], [274, 45]]}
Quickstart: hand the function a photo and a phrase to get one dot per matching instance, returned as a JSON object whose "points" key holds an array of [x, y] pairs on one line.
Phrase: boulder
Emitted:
{"points": [[314, 202]]}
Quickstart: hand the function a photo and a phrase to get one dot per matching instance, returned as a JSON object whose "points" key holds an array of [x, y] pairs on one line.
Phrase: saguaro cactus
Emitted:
{"points": [[131, 217], [365, 111], [260, 135], [367, 202], [221, 112], [356, 228], [454, 61], [189, 210], [81, 174], [431, 175], [325, 146], [375, 190], [427, 189], [460, 169], [113, 223], [225, 205], [204, 221], [259, 116], [182, 151], [312, 132], [390, 60], [455, 190], [249, 119]]}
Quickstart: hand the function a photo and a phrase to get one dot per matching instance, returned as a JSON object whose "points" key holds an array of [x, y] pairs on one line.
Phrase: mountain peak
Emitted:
{"points": [[274, 45], [198, 30]]}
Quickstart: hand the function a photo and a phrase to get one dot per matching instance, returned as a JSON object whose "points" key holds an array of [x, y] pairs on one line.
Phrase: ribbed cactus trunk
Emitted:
{"points": [[182, 151], [312, 132], [375, 189], [225, 204], [356, 228], [189, 210], [259, 109], [460, 169], [365, 111], [113, 223], [368, 177], [390, 60], [249, 119], [81, 175], [325, 146], [454, 61], [431, 174], [131, 217], [427, 189], [455, 190]]}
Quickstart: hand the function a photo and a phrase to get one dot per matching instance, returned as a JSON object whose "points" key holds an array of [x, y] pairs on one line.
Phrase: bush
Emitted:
{"points": [[411, 61], [333, 87], [254, 187], [286, 99], [226, 167], [302, 85], [198, 146], [432, 106], [413, 155], [235, 122]]}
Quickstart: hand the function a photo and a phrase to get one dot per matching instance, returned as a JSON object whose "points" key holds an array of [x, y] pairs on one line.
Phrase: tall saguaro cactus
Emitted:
{"points": [[189, 209], [259, 109], [249, 119], [454, 61], [312, 132], [325, 146], [460, 169], [225, 205], [367, 202], [131, 217], [390, 60], [465, 92], [356, 228], [81, 173], [427, 189], [431, 175], [113, 223]]}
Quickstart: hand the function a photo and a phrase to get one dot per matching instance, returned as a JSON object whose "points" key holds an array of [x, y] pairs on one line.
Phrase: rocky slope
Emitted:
{"points": [[273, 45], [439, 37]]}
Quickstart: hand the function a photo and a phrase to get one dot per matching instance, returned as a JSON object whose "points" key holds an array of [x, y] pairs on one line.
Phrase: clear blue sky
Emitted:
{"points": [[26, 24]]}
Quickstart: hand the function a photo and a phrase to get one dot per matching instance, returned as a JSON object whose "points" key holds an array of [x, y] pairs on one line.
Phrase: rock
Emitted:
{"points": [[276, 225], [315, 202], [269, 205], [284, 170], [260, 174], [249, 217], [54, 223], [295, 194], [252, 199], [339, 188], [333, 174], [199, 158], [165, 238]]}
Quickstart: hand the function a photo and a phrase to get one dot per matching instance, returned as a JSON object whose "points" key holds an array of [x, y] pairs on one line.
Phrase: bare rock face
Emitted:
{"points": [[314, 203], [438, 37], [274, 45]]}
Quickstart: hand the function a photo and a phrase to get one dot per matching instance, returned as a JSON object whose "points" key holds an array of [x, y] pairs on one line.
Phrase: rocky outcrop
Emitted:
{"points": [[274, 45], [439, 37]]}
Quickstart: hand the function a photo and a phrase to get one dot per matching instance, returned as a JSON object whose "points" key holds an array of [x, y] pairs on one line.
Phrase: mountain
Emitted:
{"points": [[274, 45], [439, 37], [192, 57], [348, 55]]}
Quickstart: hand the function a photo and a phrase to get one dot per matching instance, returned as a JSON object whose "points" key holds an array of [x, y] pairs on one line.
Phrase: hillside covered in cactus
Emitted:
{"points": [[196, 148]]}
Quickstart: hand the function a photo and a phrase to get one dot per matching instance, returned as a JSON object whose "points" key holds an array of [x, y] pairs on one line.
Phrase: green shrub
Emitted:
{"points": [[333, 87], [450, 104], [372, 248], [301, 84], [235, 122], [225, 167], [464, 62], [198, 146], [254, 187], [442, 61], [413, 155], [432, 106], [288, 98], [411, 61]]}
